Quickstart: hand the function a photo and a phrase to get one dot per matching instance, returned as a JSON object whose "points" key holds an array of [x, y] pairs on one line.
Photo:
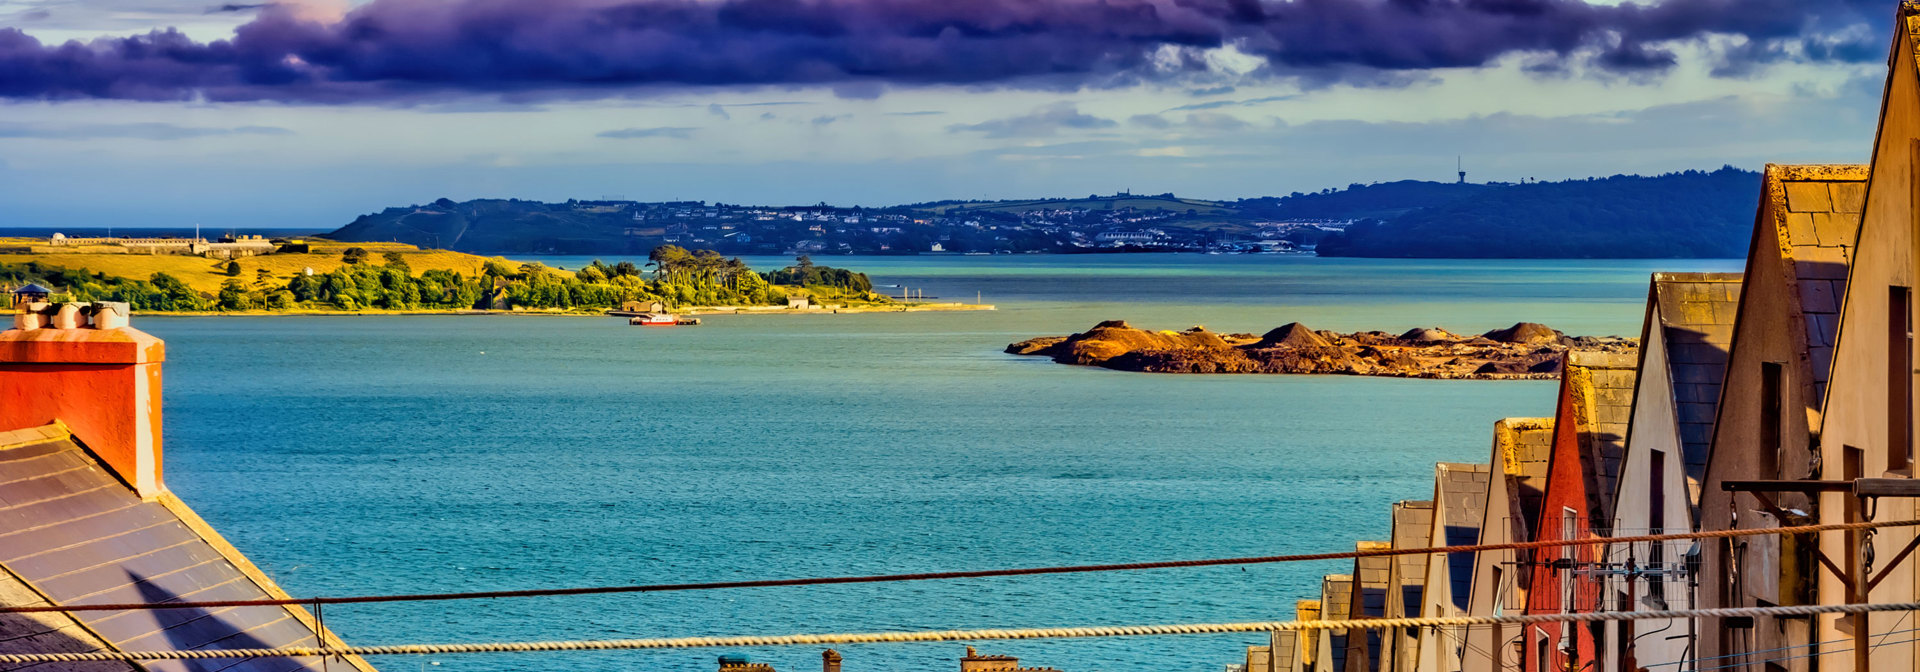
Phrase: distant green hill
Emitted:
{"points": [[1685, 214], [1381, 200], [496, 226]]}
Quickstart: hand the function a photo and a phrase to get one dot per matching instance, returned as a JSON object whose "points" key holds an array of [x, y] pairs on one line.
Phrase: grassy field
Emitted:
{"points": [[1113, 203], [207, 274]]}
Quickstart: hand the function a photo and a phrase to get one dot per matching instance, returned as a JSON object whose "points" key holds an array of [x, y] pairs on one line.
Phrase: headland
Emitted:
{"points": [[1523, 351]]}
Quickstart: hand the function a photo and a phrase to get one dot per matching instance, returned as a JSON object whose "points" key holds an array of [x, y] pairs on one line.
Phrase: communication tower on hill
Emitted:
{"points": [[1461, 167]]}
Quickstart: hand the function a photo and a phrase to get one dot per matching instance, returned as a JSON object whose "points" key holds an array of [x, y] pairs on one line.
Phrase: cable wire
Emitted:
{"points": [[949, 635], [930, 576]]}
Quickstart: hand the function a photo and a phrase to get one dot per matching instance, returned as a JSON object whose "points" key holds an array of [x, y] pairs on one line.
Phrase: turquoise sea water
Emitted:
{"points": [[424, 454]]}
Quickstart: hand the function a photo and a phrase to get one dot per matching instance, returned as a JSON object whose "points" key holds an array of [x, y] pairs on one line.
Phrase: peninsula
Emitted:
{"points": [[310, 276], [1523, 351]]}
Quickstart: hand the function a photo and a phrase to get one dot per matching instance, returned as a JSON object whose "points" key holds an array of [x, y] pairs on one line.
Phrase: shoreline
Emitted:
{"points": [[697, 310], [1524, 351]]}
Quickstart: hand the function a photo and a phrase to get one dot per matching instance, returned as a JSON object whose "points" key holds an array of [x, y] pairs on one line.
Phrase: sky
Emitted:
{"points": [[307, 113]]}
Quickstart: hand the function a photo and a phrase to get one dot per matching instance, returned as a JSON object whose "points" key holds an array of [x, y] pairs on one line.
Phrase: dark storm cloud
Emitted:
{"points": [[388, 50]]}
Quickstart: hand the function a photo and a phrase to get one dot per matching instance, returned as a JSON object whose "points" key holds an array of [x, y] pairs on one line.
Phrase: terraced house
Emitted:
{"points": [[1783, 395]]}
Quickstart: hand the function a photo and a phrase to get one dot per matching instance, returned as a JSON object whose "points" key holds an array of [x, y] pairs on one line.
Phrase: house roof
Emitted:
{"points": [[1412, 528], [1813, 215], [1371, 576], [72, 533], [32, 288], [1696, 313], [1524, 448], [1336, 597], [1285, 643], [1602, 387], [1460, 494]]}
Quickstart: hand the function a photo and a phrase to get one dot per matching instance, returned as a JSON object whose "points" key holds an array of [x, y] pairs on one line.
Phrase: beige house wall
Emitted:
{"points": [[1773, 327], [1498, 587], [1655, 427], [1856, 414]]}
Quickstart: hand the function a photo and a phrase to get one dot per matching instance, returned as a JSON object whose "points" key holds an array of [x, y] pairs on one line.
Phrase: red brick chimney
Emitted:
{"points": [[82, 366]]}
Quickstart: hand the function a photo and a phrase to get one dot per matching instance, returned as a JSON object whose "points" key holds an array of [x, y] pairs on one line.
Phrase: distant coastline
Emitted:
{"points": [[1687, 214], [253, 275]]}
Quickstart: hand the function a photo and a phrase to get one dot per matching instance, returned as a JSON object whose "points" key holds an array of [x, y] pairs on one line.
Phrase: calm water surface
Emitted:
{"points": [[421, 454]]}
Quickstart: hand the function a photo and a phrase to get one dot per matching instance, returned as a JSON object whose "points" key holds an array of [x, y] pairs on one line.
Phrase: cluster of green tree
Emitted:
{"points": [[679, 278], [808, 274], [162, 292], [1686, 214]]}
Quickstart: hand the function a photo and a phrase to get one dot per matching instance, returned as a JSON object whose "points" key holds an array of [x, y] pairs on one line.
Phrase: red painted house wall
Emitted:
{"points": [[1549, 643]]}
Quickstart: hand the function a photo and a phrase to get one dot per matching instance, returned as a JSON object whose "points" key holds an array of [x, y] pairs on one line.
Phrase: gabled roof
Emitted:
{"points": [[72, 533], [1601, 384], [1336, 597], [1524, 448], [1285, 644], [1460, 493], [1696, 314], [1811, 213], [31, 288], [1412, 525], [1412, 528]]}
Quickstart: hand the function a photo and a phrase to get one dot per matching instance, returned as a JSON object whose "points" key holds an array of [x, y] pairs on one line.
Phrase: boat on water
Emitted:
{"points": [[661, 320]]}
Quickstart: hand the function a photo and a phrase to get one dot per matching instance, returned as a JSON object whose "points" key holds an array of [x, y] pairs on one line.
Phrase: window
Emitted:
{"points": [[1499, 591], [1568, 516], [1899, 379], [1656, 517], [1770, 416]]}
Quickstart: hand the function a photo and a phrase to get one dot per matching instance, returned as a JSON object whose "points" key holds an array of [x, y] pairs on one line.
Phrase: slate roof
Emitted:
{"points": [[1816, 217], [1336, 599], [1697, 312], [72, 533], [32, 288], [1525, 449], [1285, 645], [1412, 528], [1460, 491], [1602, 383], [1372, 580]]}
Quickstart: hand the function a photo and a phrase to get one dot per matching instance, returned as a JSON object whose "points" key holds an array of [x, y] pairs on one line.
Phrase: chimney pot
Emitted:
{"points": [[69, 317], [30, 316], [110, 314]]}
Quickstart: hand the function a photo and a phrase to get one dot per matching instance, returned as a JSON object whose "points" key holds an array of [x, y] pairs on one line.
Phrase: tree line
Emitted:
{"points": [[674, 275]]}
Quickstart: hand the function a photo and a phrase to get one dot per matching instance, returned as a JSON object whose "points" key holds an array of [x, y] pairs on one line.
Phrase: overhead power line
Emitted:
{"points": [[975, 574], [950, 635]]}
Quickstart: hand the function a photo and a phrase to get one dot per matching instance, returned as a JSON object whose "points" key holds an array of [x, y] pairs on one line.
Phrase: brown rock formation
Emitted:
{"points": [[1525, 350], [1525, 332]]}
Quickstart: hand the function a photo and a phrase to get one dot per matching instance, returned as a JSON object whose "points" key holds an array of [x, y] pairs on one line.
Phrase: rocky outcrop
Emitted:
{"points": [[1524, 350], [1525, 333]]}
